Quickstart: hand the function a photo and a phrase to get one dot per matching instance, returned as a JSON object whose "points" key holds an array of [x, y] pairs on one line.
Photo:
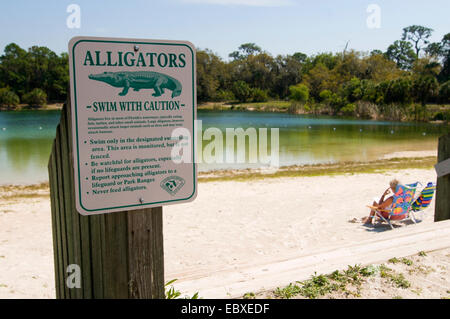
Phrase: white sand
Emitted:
{"points": [[228, 225]]}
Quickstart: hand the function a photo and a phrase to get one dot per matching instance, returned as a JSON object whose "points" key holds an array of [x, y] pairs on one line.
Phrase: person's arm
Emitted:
{"points": [[387, 191], [386, 203]]}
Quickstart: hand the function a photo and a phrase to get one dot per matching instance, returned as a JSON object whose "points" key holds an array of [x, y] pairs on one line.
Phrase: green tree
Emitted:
{"points": [[288, 71], [15, 69], [299, 93], [418, 35], [259, 95], [242, 91], [402, 53], [209, 72], [444, 93], [8, 98], [424, 88], [36, 97], [245, 50], [445, 54]]}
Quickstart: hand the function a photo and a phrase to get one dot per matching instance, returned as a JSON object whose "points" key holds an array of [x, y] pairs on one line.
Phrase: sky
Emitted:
{"points": [[277, 26]]}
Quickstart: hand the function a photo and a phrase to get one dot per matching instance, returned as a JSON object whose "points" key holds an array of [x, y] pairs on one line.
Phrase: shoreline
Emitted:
{"points": [[393, 161], [263, 107]]}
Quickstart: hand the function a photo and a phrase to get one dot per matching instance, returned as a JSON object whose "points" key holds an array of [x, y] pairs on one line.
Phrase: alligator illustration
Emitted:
{"points": [[140, 80]]}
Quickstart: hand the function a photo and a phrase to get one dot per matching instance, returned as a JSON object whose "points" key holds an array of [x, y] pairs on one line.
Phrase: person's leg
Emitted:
{"points": [[369, 219], [386, 203]]}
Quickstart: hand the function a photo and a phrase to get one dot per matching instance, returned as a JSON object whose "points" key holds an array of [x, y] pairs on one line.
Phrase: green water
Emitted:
{"points": [[26, 137]]}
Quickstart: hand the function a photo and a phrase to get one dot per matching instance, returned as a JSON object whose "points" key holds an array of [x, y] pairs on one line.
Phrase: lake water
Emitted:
{"points": [[26, 139]]}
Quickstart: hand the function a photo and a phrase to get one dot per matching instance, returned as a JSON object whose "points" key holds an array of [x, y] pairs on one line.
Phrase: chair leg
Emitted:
{"points": [[389, 222], [386, 220], [412, 217]]}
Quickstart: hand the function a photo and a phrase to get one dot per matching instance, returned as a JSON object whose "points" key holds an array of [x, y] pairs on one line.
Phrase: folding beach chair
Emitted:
{"points": [[423, 200], [401, 205]]}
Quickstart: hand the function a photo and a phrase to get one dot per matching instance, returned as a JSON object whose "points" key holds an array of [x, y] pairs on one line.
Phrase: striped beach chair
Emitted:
{"points": [[423, 200], [401, 205]]}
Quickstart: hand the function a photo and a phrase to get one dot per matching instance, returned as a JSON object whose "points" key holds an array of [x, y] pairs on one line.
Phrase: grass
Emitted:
{"points": [[348, 282], [406, 261], [269, 106], [11, 192], [397, 279], [400, 281], [320, 285], [249, 295], [171, 293], [377, 166], [422, 254]]}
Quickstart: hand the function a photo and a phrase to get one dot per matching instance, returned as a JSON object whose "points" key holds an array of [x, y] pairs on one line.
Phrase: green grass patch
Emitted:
{"points": [[400, 281], [377, 166], [249, 295], [171, 293], [422, 254], [320, 285], [405, 261]]}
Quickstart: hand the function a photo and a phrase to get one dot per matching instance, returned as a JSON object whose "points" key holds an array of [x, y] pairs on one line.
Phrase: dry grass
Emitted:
{"points": [[376, 166]]}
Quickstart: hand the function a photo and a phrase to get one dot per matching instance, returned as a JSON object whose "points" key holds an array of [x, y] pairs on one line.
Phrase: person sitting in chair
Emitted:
{"points": [[382, 203]]}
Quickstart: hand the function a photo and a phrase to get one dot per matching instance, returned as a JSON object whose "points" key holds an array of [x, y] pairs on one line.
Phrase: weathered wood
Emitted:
{"points": [[442, 207], [55, 225], [62, 217], [141, 242], [120, 254]]}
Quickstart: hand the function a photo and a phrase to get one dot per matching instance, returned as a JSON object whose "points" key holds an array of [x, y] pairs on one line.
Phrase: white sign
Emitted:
{"points": [[133, 112], [443, 168]]}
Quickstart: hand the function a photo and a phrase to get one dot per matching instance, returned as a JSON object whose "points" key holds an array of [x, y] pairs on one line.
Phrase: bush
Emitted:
{"points": [[444, 92], [325, 96], [224, 95], [260, 95], [37, 97], [8, 98], [242, 91], [348, 109], [299, 93]]}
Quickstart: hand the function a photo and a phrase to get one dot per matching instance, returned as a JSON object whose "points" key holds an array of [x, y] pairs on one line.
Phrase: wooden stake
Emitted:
{"points": [[442, 209], [120, 254]]}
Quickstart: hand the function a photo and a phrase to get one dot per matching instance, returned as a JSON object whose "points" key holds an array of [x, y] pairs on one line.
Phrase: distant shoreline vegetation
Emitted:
{"points": [[410, 80]]}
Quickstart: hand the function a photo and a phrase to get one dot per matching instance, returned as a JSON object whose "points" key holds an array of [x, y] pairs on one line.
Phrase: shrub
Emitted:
{"points": [[242, 91], [224, 95], [299, 93], [260, 95], [325, 96], [8, 98], [348, 109], [444, 92], [37, 97]]}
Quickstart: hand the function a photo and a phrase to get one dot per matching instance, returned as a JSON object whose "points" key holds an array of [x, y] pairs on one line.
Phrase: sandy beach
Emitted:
{"points": [[230, 224]]}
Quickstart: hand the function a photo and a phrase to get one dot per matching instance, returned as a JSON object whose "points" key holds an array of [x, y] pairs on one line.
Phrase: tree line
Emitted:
{"points": [[404, 78]]}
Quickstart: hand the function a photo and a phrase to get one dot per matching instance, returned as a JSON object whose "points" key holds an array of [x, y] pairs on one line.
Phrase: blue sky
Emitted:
{"points": [[278, 26]]}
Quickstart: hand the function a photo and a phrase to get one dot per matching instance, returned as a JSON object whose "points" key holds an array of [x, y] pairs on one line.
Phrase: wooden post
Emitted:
{"points": [[442, 209], [120, 255]]}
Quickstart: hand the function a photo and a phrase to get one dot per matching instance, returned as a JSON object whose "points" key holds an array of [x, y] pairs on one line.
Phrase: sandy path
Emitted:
{"points": [[229, 224]]}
